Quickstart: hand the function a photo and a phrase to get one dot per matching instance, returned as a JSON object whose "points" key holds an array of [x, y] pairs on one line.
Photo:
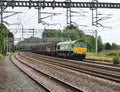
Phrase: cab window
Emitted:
{"points": [[83, 45], [58, 47]]}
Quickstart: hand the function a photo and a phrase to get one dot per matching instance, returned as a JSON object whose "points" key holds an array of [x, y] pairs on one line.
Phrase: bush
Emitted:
{"points": [[0, 56], [118, 54], [112, 54], [116, 60]]}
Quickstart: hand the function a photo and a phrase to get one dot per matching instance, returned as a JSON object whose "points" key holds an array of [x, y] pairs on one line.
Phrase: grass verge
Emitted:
{"points": [[99, 56], [1, 57]]}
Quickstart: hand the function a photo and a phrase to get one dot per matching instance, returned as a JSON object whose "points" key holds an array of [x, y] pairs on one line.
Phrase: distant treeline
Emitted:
{"points": [[5, 34]]}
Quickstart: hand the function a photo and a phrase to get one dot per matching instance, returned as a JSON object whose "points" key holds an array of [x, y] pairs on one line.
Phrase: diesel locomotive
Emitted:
{"points": [[68, 49]]}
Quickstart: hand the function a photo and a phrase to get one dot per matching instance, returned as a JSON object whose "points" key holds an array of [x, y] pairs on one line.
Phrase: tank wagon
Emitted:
{"points": [[68, 49]]}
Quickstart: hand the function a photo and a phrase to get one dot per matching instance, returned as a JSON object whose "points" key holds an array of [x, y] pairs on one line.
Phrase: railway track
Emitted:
{"points": [[105, 71], [31, 68]]}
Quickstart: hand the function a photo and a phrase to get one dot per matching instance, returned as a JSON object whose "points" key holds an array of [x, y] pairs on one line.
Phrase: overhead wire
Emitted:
{"points": [[82, 20], [29, 19]]}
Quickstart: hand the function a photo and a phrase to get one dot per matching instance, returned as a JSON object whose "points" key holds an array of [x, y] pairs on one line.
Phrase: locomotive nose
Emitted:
{"points": [[79, 50]]}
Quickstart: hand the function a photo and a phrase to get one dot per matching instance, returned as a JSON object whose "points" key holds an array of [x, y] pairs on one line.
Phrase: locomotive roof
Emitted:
{"points": [[68, 42]]}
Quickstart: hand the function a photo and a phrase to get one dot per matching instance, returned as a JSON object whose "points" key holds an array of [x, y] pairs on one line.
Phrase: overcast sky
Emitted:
{"points": [[29, 19]]}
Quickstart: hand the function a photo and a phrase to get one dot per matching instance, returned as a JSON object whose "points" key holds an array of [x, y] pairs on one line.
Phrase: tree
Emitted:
{"points": [[90, 41], [100, 44], [2, 36], [114, 46], [72, 32], [4, 32], [51, 35], [107, 46]]}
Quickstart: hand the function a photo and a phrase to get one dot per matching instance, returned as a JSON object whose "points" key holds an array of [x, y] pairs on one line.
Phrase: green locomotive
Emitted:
{"points": [[72, 49]]}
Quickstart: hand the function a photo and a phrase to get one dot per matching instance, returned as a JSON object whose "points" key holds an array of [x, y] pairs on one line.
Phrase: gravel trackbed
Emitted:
{"points": [[13, 80]]}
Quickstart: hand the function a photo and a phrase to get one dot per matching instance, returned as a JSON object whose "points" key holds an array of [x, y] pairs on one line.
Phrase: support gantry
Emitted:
{"points": [[56, 4]]}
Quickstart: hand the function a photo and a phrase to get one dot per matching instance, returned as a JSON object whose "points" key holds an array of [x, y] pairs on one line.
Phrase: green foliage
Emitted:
{"points": [[116, 60], [51, 35], [114, 46], [10, 34], [107, 46], [100, 44], [13, 48], [0, 56], [3, 34], [118, 54], [112, 54], [89, 40], [72, 32]]}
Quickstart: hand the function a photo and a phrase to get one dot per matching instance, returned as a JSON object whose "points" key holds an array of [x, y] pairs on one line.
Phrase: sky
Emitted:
{"points": [[28, 18]]}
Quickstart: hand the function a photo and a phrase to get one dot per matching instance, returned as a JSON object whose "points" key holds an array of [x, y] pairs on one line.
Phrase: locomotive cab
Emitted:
{"points": [[79, 50]]}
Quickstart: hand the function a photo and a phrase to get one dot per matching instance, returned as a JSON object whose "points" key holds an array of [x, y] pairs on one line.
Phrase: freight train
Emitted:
{"points": [[68, 49]]}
